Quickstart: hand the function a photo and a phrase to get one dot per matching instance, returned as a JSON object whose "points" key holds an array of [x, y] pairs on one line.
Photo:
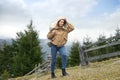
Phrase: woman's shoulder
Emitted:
{"points": [[52, 26]]}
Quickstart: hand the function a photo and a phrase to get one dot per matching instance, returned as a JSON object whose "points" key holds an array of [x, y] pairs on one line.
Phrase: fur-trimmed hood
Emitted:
{"points": [[54, 24]]}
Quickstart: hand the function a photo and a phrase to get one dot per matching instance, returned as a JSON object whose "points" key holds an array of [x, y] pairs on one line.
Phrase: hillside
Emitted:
{"points": [[105, 70]]}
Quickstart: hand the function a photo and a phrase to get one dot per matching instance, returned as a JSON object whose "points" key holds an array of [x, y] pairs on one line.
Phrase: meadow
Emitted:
{"points": [[104, 70]]}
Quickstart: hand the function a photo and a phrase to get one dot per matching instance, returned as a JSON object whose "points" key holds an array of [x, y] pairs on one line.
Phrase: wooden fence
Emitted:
{"points": [[41, 68], [83, 50]]}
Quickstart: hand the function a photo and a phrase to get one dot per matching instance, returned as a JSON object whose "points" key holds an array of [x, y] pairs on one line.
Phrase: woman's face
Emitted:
{"points": [[61, 23]]}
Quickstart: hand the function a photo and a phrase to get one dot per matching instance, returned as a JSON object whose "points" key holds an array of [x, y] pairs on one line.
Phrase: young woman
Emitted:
{"points": [[58, 36]]}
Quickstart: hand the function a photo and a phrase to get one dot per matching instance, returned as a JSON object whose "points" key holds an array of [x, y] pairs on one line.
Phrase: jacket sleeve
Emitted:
{"points": [[70, 27], [49, 35]]}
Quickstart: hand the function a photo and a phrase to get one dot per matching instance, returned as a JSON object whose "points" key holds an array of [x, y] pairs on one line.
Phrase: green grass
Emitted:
{"points": [[105, 70]]}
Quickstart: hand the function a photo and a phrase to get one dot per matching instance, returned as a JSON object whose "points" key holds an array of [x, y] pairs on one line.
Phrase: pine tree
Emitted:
{"points": [[87, 43], [117, 34], [27, 51], [59, 62], [74, 59], [110, 49], [5, 57], [103, 50], [5, 75]]}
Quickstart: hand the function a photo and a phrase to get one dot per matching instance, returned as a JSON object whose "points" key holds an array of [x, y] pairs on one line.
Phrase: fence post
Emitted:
{"points": [[83, 56]]}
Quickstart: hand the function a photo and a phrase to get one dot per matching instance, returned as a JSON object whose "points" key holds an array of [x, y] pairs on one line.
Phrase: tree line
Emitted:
{"points": [[74, 59]]}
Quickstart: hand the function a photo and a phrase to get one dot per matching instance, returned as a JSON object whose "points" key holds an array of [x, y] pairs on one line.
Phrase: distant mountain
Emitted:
{"points": [[7, 40], [43, 42], [46, 48]]}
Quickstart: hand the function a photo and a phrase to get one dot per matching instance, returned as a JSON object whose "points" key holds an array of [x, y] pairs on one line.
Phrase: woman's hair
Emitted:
{"points": [[60, 20]]}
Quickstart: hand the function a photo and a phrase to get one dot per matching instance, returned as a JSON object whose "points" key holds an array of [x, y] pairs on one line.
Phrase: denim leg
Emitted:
{"points": [[53, 54], [62, 51]]}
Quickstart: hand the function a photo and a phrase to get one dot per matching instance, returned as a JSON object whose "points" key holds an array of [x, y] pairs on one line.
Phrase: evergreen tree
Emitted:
{"points": [[87, 43], [5, 75], [27, 51], [59, 62], [117, 34], [100, 43], [5, 57], [110, 49], [74, 59]]}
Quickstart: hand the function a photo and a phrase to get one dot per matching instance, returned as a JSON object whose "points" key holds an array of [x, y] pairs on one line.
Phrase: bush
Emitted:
{"points": [[5, 75]]}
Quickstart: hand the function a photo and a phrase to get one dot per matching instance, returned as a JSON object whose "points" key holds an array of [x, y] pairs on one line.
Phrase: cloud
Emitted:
{"points": [[14, 11], [13, 7], [14, 16], [93, 27], [54, 8], [18, 13], [47, 11]]}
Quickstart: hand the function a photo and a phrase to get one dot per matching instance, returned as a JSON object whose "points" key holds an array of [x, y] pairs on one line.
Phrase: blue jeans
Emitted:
{"points": [[62, 51]]}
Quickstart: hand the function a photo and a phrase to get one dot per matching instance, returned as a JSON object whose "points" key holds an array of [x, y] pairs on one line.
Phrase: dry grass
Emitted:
{"points": [[105, 70]]}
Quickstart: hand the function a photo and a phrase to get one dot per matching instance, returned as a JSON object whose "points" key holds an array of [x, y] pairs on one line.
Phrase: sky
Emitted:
{"points": [[90, 17]]}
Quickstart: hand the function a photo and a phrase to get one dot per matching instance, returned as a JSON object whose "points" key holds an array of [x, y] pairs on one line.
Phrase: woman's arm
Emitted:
{"points": [[51, 34], [70, 27]]}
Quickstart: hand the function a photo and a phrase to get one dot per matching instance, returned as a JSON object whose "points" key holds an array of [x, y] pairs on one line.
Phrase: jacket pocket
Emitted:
{"points": [[65, 38], [53, 38]]}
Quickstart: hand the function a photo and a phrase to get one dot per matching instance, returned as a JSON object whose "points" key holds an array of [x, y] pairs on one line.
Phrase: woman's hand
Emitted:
{"points": [[53, 32]]}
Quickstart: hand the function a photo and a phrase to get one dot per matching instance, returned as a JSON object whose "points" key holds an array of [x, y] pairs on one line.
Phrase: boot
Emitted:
{"points": [[53, 75], [64, 73]]}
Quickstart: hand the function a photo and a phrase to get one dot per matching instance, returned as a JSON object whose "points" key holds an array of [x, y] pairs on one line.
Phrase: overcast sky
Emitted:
{"points": [[89, 17]]}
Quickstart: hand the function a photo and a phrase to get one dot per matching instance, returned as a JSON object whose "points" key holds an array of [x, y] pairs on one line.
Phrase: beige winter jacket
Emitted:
{"points": [[61, 35]]}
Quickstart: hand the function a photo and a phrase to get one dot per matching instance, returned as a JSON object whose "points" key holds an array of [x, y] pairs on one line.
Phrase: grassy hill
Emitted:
{"points": [[105, 70]]}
